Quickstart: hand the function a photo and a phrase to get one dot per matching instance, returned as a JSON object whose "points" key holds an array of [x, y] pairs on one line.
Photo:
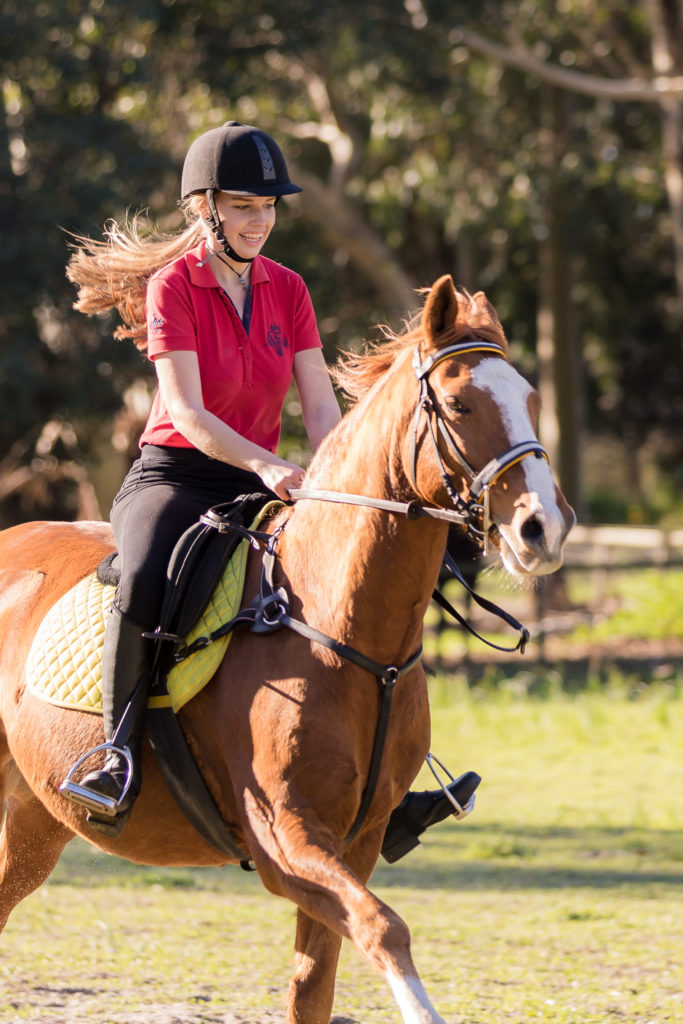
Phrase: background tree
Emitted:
{"points": [[419, 154]]}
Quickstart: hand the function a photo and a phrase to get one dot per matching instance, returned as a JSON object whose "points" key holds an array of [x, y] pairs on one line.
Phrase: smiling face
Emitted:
{"points": [[246, 221]]}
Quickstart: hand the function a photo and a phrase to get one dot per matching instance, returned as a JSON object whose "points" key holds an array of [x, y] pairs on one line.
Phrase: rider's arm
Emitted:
{"points": [[181, 390], [319, 406]]}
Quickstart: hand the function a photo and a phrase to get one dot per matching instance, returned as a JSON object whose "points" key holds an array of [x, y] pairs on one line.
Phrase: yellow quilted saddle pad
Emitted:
{"points": [[64, 665]]}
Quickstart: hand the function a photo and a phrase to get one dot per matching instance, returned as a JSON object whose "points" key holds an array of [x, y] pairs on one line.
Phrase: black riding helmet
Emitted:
{"points": [[237, 158]]}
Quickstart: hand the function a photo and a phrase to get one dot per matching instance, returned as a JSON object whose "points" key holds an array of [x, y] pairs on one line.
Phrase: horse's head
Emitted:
{"points": [[475, 440]]}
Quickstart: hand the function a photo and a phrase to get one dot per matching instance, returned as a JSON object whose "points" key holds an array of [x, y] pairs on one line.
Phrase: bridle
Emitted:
{"points": [[476, 508], [473, 512]]}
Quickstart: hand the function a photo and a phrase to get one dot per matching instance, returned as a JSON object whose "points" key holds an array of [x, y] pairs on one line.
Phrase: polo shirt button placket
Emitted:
{"points": [[248, 363]]}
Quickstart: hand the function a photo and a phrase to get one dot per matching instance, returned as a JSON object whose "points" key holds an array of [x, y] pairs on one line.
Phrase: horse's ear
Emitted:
{"points": [[482, 301], [440, 309]]}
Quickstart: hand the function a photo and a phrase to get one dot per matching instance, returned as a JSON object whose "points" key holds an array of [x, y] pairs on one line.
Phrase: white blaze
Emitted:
{"points": [[510, 393]]}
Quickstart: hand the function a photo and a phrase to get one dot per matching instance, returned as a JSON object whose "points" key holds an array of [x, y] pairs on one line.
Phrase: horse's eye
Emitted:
{"points": [[455, 405]]}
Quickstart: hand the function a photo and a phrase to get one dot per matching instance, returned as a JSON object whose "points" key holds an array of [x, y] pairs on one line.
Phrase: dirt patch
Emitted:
{"points": [[69, 1005], [652, 659], [73, 1006]]}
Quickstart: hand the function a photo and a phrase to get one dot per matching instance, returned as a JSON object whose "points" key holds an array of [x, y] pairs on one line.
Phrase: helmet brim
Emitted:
{"points": [[288, 189], [269, 190]]}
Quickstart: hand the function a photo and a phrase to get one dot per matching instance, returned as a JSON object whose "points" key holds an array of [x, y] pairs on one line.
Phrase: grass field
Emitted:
{"points": [[559, 900]]}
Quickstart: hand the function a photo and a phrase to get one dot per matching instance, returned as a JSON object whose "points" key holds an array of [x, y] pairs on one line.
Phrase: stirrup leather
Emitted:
{"points": [[99, 803]]}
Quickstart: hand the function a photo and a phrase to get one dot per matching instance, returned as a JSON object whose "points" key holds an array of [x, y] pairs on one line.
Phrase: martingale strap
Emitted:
{"points": [[272, 611], [269, 611]]}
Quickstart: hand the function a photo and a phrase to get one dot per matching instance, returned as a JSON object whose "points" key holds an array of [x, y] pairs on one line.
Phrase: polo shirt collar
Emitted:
{"points": [[203, 276]]}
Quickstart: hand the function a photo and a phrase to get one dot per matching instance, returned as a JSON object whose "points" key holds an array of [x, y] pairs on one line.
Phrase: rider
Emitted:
{"points": [[227, 330]]}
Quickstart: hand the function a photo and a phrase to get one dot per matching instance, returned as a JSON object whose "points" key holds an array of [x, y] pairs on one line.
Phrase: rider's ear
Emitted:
{"points": [[440, 309]]}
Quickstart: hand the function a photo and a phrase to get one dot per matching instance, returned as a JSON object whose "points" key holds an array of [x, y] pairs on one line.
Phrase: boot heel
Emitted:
{"points": [[402, 842]]}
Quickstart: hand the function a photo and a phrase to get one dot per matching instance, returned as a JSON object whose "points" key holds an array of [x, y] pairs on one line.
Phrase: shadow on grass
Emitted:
{"points": [[477, 877], [479, 858], [528, 857]]}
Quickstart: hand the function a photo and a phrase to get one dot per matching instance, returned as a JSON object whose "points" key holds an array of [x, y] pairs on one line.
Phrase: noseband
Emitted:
{"points": [[476, 508]]}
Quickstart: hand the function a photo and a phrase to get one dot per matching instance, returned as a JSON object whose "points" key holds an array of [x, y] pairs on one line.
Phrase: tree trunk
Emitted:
{"points": [[557, 344], [345, 229], [666, 17]]}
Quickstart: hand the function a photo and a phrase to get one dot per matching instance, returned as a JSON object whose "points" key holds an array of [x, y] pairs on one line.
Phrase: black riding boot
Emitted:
{"points": [[418, 811], [125, 663]]}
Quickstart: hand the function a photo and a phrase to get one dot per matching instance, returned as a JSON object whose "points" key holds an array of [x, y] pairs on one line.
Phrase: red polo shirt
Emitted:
{"points": [[245, 375]]}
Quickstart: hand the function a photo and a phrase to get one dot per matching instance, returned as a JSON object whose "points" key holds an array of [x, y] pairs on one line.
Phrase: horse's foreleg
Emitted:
{"points": [[311, 990], [295, 861], [31, 841]]}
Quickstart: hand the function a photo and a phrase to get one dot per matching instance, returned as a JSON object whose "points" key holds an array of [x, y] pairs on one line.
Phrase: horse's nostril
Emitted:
{"points": [[532, 530]]}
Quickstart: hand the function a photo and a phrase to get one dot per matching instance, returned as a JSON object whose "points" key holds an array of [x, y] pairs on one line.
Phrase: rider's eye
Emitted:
{"points": [[455, 405]]}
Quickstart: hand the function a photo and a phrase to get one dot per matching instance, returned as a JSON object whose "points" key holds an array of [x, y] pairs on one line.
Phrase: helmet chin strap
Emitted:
{"points": [[217, 227]]}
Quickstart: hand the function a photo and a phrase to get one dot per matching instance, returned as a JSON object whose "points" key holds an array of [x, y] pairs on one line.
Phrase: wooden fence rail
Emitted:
{"points": [[607, 547]]}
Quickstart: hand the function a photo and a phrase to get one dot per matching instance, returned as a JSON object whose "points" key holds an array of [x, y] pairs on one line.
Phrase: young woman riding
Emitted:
{"points": [[227, 329]]}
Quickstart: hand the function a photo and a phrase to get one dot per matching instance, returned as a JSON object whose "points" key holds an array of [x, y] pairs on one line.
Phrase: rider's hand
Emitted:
{"points": [[282, 477]]}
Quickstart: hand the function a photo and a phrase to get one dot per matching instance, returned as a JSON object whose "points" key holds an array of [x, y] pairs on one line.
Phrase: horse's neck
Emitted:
{"points": [[361, 574]]}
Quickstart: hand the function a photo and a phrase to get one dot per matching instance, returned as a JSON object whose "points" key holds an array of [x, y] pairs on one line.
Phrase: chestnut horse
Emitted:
{"points": [[284, 732]]}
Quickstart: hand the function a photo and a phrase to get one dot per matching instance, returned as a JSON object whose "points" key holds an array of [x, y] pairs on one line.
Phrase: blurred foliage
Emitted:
{"points": [[419, 157]]}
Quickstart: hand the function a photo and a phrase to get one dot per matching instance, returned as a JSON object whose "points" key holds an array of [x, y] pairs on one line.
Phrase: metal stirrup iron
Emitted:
{"points": [[459, 811], [98, 803]]}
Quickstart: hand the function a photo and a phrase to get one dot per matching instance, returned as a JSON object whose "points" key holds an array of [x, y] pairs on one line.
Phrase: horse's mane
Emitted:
{"points": [[355, 373]]}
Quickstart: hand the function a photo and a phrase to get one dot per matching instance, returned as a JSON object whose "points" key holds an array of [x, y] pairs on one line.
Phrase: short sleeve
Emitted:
{"points": [[171, 320]]}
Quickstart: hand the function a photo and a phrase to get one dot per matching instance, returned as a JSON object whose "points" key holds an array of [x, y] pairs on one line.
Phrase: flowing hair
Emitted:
{"points": [[113, 273]]}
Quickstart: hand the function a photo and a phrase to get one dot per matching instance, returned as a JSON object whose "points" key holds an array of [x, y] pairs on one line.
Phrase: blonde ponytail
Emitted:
{"points": [[113, 274]]}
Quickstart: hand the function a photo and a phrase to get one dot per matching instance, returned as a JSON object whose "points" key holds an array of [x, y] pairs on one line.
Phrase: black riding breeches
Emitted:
{"points": [[165, 492]]}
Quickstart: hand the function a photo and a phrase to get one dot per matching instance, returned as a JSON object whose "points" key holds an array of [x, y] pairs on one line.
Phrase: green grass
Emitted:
{"points": [[557, 901], [647, 603]]}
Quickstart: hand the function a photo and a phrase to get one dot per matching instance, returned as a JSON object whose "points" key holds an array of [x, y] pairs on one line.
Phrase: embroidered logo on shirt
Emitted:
{"points": [[276, 339], [157, 322]]}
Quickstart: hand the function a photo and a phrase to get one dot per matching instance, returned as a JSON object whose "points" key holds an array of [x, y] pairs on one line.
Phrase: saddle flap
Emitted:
{"points": [[198, 561]]}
